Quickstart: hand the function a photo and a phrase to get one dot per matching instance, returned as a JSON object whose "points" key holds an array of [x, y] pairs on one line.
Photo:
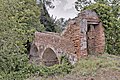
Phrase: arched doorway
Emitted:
{"points": [[49, 57]]}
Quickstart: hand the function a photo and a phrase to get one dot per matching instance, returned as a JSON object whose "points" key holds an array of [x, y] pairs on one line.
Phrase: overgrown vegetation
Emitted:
{"points": [[92, 64], [91, 67], [28, 70], [19, 19]]}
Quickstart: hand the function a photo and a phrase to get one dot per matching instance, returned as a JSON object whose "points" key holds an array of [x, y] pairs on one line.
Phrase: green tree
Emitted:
{"points": [[19, 19], [46, 20]]}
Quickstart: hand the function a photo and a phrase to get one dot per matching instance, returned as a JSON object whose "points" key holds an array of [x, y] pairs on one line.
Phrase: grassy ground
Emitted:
{"points": [[102, 67]]}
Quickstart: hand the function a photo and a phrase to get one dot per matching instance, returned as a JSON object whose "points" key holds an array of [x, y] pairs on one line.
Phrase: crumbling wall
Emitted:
{"points": [[57, 42], [100, 39], [72, 33], [83, 35], [92, 33], [60, 45]]}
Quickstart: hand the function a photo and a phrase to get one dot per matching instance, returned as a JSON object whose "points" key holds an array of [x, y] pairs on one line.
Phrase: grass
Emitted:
{"points": [[91, 66]]}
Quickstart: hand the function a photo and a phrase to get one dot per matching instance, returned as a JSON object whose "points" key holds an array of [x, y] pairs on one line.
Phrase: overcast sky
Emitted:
{"points": [[64, 9]]}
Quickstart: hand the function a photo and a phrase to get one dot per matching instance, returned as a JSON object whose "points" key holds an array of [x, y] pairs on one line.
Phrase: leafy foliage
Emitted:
{"points": [[19, 19], [33, 70], [90, 67], [48, 21]]}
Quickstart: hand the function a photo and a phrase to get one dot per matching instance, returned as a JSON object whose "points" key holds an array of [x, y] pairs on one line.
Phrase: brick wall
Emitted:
{"points": [[100, 39], [83, 35], [72, 33], [55, 41]]}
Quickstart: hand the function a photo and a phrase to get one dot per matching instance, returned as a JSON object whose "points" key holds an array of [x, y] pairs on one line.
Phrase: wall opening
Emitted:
{"points": [[91, 38], [33, 51], [49, 57]]}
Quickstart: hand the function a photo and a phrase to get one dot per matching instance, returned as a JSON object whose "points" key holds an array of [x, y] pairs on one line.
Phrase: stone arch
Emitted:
{"points": [[49, 57], [33, 50]]}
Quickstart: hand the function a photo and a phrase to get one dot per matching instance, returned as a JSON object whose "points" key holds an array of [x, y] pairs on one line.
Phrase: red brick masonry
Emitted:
{"points": [[83, 35]]}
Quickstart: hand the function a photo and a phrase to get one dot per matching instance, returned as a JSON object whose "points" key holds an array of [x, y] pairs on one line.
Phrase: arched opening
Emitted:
{"points": [[33, 51], [49, 57]]}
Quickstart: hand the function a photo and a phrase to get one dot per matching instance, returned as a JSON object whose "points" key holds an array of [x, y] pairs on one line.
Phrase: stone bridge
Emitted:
{"points": [[83, 35]]}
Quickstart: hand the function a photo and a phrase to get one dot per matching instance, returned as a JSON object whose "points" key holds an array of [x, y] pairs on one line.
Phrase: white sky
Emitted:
{"points": [[64, 9]]}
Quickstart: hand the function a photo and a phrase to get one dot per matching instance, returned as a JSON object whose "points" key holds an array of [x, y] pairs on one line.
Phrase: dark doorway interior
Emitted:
{"points": [[91, 38], [49, 57]]}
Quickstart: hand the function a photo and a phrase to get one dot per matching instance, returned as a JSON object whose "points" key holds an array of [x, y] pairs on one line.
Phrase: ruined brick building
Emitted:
{"points": [[83, 35]]}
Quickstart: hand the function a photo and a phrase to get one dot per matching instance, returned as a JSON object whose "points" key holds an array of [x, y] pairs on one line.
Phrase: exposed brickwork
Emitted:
{"points": [[72, 33], [60, 46], [100, 39], [83, 35], [59, 43]]}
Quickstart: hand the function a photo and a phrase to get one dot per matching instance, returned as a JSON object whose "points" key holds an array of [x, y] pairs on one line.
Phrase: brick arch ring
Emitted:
{"points": [[49, 57]]}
